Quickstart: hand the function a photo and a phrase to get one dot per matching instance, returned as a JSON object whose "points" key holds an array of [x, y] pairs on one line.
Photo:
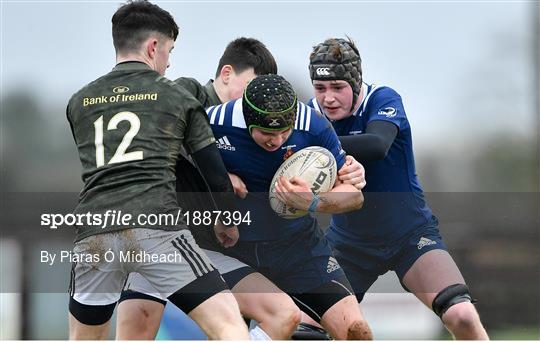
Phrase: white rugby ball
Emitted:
{"points": [[316, 165]]}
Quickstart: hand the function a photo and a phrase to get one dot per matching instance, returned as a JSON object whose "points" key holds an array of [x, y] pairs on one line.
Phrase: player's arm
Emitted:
{"points": [[297, 193], [240, 188], [213, 170], [200, 143], [352, 172], [70, 123], [342, 198], [373, 144]]}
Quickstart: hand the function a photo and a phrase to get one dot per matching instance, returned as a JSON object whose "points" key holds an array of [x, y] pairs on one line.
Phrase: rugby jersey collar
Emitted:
{"points": [[360, 109], [131, 65], [211, 91]]}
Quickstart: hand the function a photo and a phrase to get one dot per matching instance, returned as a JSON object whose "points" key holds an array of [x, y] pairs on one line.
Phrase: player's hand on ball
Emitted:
{"points": [[294, 192], [352, 172], [227, 237], [239, 186]]}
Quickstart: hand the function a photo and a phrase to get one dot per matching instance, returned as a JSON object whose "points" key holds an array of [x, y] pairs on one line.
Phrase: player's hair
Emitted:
{"points": [[136, 20], [244, 53], [335, 49]]}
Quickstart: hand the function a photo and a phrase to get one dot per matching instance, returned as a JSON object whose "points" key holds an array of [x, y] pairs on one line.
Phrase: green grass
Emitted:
{"points": [[516, 333], [522, 333]]}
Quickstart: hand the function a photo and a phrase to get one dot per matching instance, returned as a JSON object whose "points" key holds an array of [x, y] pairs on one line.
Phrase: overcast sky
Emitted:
{"points": [[455, 63]]}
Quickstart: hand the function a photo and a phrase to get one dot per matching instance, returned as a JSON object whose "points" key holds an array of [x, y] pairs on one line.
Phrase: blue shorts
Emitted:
{"points": [[365, 262], [296, 264]]}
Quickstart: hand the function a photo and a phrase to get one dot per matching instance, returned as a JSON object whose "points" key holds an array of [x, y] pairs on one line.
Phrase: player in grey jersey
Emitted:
{"points": [[128, 126]]}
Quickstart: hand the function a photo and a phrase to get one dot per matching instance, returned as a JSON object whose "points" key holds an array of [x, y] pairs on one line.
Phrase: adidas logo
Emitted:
{"points": [[425, 242], [224, 144], [332, 265]]}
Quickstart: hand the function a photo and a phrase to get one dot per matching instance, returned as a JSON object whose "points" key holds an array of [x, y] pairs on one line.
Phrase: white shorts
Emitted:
{"points": [[224, 264], [168, 260]]}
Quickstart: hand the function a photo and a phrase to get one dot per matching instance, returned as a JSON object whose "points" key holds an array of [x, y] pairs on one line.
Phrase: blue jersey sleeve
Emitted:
{"points": [[386, 104]]}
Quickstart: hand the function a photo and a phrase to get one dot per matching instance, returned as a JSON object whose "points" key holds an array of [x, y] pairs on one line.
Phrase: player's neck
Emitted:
{"points": [[221, 90], [134, 57], [359, 100]]}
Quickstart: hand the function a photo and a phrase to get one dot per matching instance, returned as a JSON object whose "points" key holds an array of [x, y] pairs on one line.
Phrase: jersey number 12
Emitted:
{"points": [[120, 155]]}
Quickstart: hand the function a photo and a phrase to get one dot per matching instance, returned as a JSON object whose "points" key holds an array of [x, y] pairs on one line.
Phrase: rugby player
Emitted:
{"points": [[260, 130], [128, 126], [395, 230], [333, 304], [141, 307]]}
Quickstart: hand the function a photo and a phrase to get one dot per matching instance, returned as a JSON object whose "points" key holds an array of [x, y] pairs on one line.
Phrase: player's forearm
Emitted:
{"points": [[364, 147], [372, 145], [341, 199], [213, 170]]}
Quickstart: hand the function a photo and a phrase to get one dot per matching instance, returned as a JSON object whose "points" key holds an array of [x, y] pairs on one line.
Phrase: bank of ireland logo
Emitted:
{"points": [[120, 89], [323, 71]]}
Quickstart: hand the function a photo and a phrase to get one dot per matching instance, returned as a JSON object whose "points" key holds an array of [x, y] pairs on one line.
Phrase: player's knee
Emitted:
{"points": [[225, 325], [359, 330], [83, 333], [229, 312], [461, 317], [229, 316], [296, 316], [450, 296], [289, 317], [280, 312], [230, 326], [136, 324]]}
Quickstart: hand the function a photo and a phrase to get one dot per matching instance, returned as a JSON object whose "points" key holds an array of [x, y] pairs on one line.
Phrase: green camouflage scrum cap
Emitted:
{"points": [[269, 103], [337, 59]]}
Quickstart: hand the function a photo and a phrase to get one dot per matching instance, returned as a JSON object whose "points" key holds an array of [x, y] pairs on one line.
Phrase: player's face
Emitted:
{"points": [[163, 51], [270, 140], [238, 82], [335, 97]]}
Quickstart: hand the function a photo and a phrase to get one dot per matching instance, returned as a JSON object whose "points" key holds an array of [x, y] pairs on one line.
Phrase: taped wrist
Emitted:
{"points": [[314, 203]]}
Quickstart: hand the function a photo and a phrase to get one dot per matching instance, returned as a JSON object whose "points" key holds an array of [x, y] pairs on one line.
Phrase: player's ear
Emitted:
{"points": [[226, 72], [151, 47]]}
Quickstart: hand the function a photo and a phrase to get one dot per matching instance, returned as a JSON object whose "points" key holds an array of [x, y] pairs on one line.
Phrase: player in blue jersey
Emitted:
{"points": [[395, 230], [141, 306], [255, 134]]}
